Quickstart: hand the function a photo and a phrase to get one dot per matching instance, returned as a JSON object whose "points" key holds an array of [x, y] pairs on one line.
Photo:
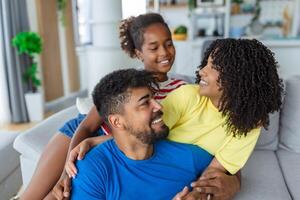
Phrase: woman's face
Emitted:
{"points": [[209, 85], [157, 51]]}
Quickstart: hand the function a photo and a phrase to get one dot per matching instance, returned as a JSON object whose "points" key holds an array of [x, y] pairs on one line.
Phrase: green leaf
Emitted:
{"points": [[28, 42], [181, 30]]}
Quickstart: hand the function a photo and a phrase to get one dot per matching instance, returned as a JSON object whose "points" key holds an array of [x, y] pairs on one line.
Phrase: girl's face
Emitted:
{"points": [[157, 51], [209, 85]]}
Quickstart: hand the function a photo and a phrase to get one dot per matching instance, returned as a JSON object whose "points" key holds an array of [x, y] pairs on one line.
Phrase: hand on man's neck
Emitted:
{"points": [[133, 148]]}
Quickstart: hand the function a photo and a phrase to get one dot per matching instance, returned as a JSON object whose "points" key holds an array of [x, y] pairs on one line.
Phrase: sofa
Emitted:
{"points": [[272, 172], [10, 173]]}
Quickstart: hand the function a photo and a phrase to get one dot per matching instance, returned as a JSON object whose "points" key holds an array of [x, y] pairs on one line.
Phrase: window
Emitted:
{"points": [[83, 18]]}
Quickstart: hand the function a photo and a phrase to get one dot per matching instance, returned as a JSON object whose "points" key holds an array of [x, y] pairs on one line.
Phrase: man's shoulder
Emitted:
{"points": [[183, 154], [167, 145], [98, 155]]}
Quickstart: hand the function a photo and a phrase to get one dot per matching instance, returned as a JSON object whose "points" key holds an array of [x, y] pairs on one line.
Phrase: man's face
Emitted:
{"points": [[143, 116]]}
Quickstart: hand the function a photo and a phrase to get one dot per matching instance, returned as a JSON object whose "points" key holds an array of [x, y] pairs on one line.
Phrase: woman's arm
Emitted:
{"points": [[216, 181]]}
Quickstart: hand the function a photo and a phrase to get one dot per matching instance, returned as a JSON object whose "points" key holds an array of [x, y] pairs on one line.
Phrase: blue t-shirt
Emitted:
{"points": [[106, 173], [70, 127]]}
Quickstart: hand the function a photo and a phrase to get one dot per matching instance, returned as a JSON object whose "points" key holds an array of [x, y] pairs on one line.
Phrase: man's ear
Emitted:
{"points": [[139, 55], [115, 121]]}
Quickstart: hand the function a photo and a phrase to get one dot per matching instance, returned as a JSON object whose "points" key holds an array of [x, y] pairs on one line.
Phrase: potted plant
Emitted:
{"points": [[180, 33], [30, 44]]}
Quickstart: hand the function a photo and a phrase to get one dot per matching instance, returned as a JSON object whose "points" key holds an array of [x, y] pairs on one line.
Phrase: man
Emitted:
{"points": [[137, 163]]}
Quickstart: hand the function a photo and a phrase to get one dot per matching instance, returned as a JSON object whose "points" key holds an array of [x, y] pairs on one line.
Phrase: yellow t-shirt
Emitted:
{"points": [[195, 120]]}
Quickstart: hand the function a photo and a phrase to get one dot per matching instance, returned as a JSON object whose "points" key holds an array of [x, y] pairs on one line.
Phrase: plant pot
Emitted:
{"points": [[35, 106], [181, 36], [235, 8]]}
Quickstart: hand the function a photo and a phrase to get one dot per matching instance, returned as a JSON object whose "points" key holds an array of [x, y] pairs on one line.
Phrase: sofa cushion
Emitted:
{"points": [[290, 163], [290, 115], [32, 142], [262, 178], [10, 186], [84, 104], [9, 158], [268, 139]]}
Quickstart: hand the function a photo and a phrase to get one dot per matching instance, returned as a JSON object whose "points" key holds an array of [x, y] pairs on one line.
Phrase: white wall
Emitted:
{"points": [[287, 53], [105, 54]]}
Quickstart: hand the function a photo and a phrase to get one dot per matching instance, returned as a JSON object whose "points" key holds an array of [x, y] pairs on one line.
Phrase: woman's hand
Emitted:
{"points": [[217, 184], [62, 189], [77, 153], [183, 193]]}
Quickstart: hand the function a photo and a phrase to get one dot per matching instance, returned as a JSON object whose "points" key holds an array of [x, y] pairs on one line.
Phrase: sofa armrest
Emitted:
{"points": [[32, 142]]}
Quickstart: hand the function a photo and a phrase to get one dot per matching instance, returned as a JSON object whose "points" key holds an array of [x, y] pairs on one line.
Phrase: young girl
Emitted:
{"points": [[238, 86], [146, 37]]}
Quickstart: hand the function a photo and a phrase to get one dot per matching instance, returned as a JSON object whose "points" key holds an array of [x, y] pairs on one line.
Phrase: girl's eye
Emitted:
{"points": [[169, 43], [153, 49]]}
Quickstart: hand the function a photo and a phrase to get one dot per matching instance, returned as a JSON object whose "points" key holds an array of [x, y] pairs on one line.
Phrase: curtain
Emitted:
{"points": [[13, 19], [4, 111]]}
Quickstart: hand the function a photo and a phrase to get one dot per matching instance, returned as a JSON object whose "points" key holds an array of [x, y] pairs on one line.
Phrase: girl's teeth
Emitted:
{"points": [[164, 62]]}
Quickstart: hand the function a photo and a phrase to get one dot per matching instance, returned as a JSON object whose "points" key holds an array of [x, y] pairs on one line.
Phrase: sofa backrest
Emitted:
{"points": [[290, 116], [268, 139], [32, 142]]}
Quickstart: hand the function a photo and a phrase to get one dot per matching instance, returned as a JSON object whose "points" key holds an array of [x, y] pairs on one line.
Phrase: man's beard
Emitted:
{"points": [[151, 136]]}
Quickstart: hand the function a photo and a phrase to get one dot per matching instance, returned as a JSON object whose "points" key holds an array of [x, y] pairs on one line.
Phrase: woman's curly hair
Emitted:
{"points": [[249, 81], [132, 30]]}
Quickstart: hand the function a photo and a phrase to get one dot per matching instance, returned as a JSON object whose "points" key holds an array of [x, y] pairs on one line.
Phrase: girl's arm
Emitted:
{"points": [[86, 129], [79, 152]]}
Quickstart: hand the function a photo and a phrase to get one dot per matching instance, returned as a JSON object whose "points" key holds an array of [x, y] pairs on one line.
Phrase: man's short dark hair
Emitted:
{"points": [[111, 92]]}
